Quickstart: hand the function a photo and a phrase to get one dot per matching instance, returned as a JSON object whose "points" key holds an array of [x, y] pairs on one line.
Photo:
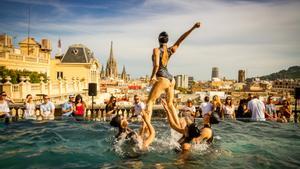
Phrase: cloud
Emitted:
{"points": [[259, 37]]}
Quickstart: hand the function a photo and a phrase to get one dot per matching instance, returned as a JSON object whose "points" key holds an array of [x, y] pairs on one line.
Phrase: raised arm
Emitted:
{"points": [[171, 120], [151, 130], [155, 64], [182, 37]]}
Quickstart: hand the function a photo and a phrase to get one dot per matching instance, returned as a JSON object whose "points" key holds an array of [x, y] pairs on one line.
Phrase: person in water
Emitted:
{"points": [[161, 79], [191, 133], [125, 132]]}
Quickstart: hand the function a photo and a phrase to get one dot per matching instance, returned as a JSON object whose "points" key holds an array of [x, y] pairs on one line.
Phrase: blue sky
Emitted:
{"points": [[261, 37]]}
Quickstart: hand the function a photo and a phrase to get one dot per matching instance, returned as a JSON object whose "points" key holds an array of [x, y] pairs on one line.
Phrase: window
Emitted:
{"points": [[59, 75]]}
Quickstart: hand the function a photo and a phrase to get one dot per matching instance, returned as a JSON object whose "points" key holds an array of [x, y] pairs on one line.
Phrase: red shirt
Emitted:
{"points": [[79, 110]]}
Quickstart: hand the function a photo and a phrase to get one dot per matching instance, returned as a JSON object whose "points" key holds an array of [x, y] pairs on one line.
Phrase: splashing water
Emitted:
{"points": [[68, 144]]}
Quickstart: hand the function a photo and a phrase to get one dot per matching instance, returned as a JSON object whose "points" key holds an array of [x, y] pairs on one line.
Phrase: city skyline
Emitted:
{"points": [[259, 36]]}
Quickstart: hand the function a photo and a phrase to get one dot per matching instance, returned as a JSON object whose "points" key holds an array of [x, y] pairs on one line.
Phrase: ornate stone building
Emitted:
{"points": [[77, 63], [31, 56]]}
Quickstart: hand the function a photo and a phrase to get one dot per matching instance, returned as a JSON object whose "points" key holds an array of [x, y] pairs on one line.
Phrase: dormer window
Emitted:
{"points": [[75, 51]]}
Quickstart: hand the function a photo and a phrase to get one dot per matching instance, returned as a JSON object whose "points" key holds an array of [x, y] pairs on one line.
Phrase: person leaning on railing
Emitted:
{"points": [[4, 108], [286, 110], [68, 107], [80, 108], [29, 108], [47, 108]]}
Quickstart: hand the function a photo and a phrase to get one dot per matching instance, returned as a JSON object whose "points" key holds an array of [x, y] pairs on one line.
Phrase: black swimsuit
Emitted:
{"points": [[163, 70]]}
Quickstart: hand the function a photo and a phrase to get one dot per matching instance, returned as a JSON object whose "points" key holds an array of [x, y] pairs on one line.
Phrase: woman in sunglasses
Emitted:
{"points": [[228, 109]]}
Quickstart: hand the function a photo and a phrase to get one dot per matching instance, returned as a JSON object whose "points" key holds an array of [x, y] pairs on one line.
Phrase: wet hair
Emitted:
{"points": [[163, 37], [193, 131], [116, 121]]}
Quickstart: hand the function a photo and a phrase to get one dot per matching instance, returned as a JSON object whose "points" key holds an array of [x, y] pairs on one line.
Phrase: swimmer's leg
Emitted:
{"points": [[170, 98], [155, 92]]}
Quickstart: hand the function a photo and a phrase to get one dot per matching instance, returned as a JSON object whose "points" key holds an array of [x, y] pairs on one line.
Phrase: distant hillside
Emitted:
{"points": [[291, 73]]}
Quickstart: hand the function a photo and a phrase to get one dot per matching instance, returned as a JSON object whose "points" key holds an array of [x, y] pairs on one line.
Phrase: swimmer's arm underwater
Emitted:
{"points": [[182, 37], [155, 65]]}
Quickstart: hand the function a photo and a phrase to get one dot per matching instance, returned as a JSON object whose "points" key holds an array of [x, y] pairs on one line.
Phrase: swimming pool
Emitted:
{"points": [[69, 144]]}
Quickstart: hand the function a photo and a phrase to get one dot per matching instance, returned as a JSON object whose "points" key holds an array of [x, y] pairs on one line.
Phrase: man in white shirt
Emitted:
{"points": [[206, 109], [139, 106], [257, 109], [47, 108], [206, 106]]}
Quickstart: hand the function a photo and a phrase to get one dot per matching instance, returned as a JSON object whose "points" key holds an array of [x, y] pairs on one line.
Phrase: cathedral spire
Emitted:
{"points": [[124, 75], [111, 66], [111, 54]]}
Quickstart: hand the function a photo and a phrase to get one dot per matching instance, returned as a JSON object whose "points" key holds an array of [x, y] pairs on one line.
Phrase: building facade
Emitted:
{"points": [[215, 73], [286, 85], [31, 55], [241, 76], [77, 63], [182, 81]]}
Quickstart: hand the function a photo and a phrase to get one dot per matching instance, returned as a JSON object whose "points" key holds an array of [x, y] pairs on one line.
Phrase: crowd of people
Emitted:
{"points": [[74, 107], [251, 108]]}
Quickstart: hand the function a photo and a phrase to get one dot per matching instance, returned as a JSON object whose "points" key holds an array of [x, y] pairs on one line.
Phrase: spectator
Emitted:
{"points": [[270, 110], [250, 97], [29, 108], [228, 109], [286, 110], [6, 98], [47, 108], [111, 107], [242, 111], [206, 108], [4, 108], [80, 108], [68, 107], [139, 106], [189, 109], [217, 105], [188, 113], [257, 109]]}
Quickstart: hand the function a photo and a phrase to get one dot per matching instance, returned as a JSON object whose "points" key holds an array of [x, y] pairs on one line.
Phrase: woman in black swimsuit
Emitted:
{"points": [[161, 79]]}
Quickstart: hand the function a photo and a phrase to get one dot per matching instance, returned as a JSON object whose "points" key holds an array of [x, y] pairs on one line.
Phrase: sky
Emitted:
{"points": [[259, 36]]}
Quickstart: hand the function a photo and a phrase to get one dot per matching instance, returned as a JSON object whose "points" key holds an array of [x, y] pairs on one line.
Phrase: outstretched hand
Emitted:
{"points": [[197, 25]]}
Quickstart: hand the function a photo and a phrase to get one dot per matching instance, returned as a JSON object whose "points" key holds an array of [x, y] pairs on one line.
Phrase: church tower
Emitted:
{"points": [[124, 75], [111, 65]]}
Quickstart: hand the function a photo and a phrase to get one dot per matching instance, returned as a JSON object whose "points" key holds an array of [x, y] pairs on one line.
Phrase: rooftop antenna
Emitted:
{"points": [[28, 30]]}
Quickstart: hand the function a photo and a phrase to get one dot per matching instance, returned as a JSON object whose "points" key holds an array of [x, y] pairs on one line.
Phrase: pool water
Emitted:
{"points": [[70, 144]]}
